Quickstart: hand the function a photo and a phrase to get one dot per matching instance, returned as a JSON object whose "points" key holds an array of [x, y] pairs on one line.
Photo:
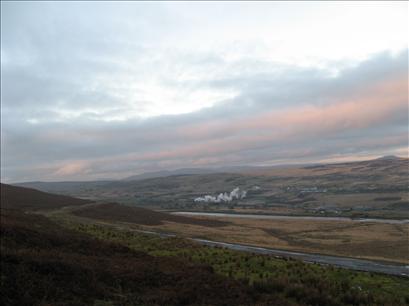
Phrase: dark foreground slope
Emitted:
{"points": [[44, 264], [13, 197]]}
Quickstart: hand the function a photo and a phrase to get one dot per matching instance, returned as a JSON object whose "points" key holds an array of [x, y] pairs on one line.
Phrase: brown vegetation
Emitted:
{"points": [[371, 240], [121, 213], [13, 197], [44, 264]]}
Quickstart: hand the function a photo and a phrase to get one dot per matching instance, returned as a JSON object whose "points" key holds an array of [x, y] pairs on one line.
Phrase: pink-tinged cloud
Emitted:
{"points": [[73, 168], [373, 105], [361, 118], [379, 104]]}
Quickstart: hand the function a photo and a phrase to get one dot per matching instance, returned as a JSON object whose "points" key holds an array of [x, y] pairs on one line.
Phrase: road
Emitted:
{"points": [[342, 262]]}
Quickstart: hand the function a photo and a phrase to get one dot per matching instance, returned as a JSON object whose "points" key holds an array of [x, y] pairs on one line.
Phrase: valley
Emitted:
{"points": [[204, 153], [287, 235], [366, 189], [376, 240]]}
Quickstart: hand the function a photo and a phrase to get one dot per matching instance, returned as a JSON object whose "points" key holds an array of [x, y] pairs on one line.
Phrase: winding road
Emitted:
{"points": [[342, 262]]}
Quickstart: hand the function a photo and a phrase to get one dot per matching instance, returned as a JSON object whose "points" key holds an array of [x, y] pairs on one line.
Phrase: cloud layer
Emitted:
{"points": [[121, 92]]}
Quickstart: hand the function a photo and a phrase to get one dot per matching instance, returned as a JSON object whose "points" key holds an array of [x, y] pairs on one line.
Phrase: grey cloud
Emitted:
{"points": [[88, 65], [105, 145], [313, 85]]}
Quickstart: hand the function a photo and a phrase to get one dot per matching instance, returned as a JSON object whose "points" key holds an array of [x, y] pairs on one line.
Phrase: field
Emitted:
{"points": [[370, 240], [375, 241], [376, 188], [61, 256], [291, 280], [45, 264]]}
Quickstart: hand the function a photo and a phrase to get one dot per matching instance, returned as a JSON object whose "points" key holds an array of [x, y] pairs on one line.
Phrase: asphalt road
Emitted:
{"points": [[342, 262]]}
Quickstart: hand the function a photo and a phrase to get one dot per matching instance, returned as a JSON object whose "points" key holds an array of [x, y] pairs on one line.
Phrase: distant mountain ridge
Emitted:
{"points": [[67, 187], [164, 173], [196, 171]]}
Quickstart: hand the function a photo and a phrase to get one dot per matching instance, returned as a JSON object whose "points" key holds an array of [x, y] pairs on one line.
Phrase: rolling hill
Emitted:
{"points": [[45, 264], [121, 213], [48, 263], [373, 188], [13, 197]]}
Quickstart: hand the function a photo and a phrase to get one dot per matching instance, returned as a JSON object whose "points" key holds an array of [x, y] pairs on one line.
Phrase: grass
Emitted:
{"points": [[294, 280], [43, 263], [370, 240], [80, 261]]}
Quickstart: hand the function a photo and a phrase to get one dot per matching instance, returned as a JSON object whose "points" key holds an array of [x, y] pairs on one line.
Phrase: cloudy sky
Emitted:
{"points": [[106, 90]]}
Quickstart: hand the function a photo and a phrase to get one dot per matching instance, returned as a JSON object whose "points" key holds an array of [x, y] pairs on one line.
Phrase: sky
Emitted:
{"points": [[105, 90]]}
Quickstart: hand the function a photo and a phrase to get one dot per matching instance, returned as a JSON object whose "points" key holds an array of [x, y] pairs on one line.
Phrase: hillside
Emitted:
{"points": [[44, 264], [165, 173], [122, 213], [374, 188], [13, 197]]}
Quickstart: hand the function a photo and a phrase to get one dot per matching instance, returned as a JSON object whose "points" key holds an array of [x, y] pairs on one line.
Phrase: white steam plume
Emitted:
{"points": [[223, 197]]}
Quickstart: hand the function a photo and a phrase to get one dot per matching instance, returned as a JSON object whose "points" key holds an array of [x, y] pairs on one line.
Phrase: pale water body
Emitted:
{"points": [[284, 217]]}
